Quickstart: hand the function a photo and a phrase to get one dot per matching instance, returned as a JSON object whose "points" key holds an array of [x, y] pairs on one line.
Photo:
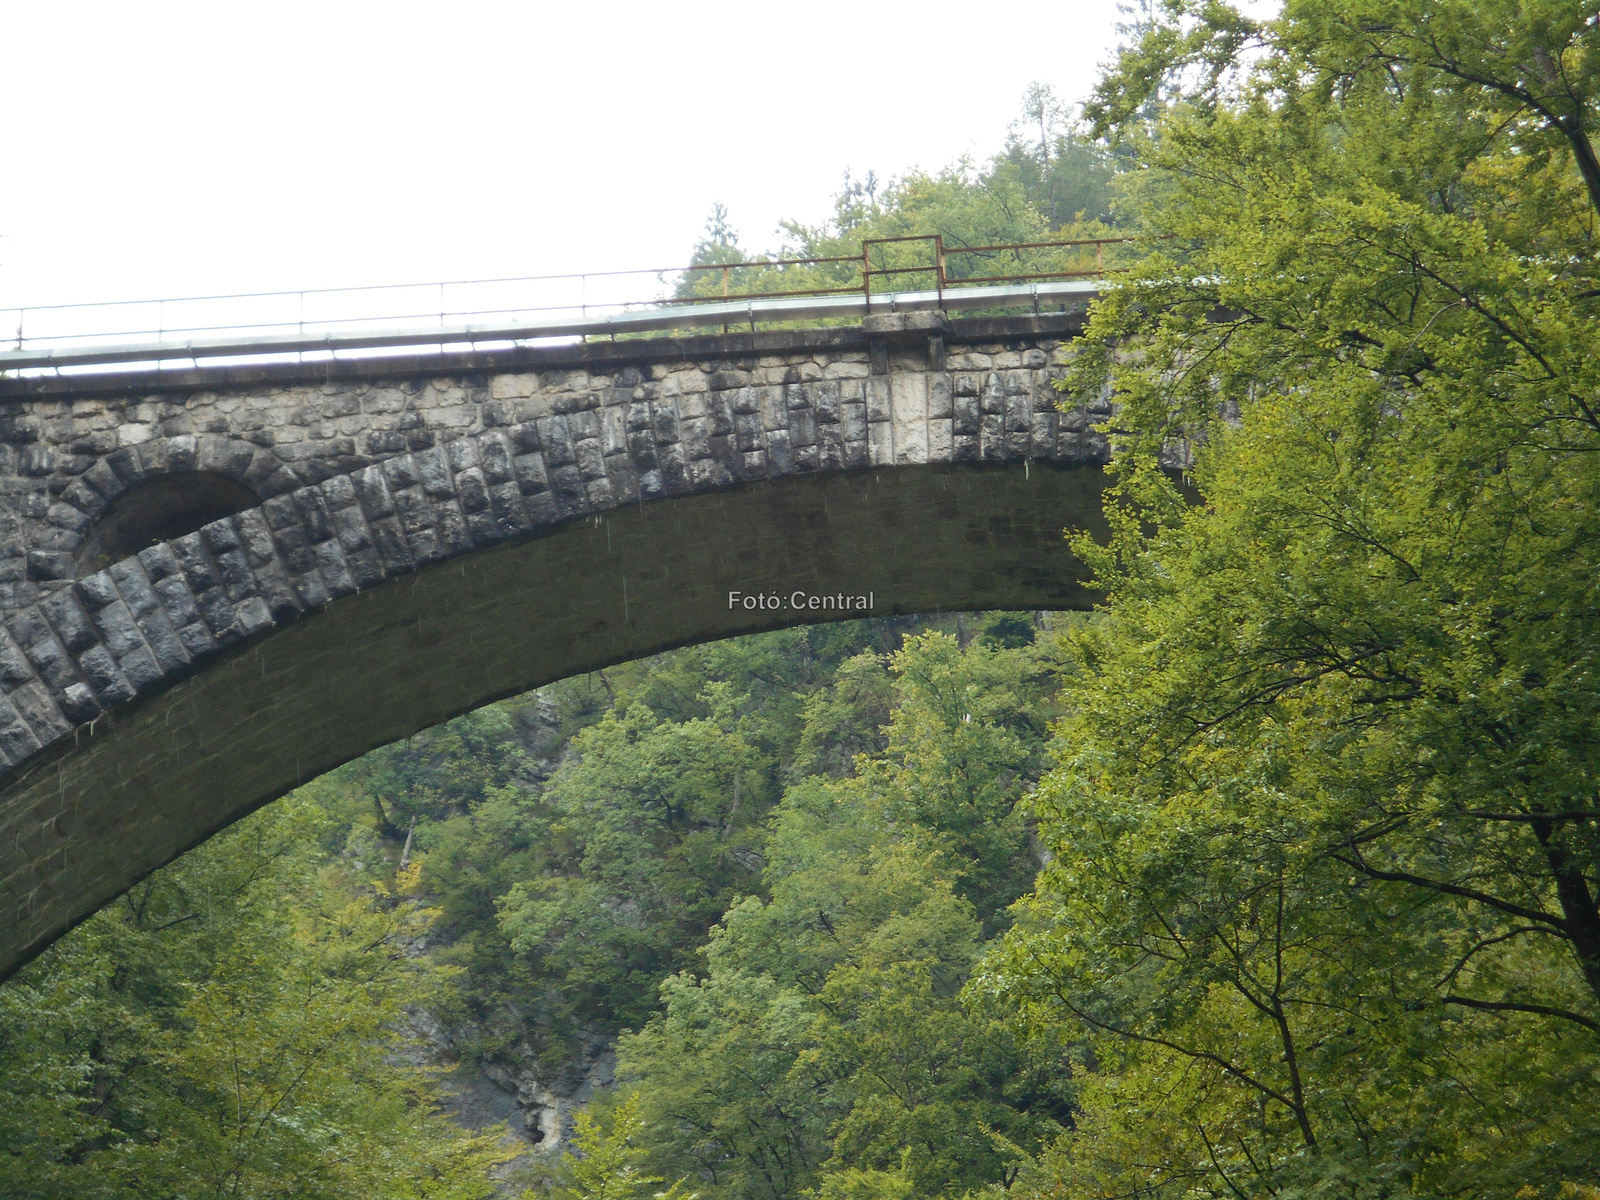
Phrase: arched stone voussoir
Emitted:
{"points": [[141, 623], [254, 467]]}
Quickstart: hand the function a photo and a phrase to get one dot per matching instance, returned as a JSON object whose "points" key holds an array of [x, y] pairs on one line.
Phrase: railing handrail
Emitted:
{"points": [[277, 328], [724, 314]]}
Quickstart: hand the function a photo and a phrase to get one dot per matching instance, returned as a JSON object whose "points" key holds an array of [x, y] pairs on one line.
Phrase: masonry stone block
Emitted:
{"points": [[590, 459], [880, 443]]}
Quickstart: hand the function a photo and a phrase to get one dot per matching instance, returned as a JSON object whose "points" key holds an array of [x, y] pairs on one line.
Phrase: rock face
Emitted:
{"points": [[536, 1108], [508, 1088]]}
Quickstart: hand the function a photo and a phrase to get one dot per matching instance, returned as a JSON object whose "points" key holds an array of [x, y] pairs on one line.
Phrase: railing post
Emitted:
{"points": [[866, 275], [938, 258]]}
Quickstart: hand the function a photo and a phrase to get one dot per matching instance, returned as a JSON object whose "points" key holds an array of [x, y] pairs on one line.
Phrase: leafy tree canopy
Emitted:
{"points": [[1325, 834]]}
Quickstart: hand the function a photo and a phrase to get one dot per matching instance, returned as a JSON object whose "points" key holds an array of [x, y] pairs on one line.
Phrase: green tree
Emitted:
{"points": [[655, 825], [229, 1028], [966, 740], [1325, 837], [826, 1045], [607, 1160], [1065, 174]]}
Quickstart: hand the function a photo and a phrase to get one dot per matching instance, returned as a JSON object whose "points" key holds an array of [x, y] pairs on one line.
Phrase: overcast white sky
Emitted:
{"points": [[173, 149]]}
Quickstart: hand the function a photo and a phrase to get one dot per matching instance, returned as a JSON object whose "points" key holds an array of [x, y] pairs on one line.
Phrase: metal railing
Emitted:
{"points": [[261, 326]]}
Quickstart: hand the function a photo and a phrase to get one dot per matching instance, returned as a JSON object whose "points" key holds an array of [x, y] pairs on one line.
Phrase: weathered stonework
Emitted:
{"points": [[615, 428], [372, 477]]}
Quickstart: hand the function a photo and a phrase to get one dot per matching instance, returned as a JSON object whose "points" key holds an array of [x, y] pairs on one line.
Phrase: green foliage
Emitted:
{"points": [[607, 1162], [855, 1184], [965, 741], [1066, 175], [1324, 840], [576, 885], [654, 823], [826, 1045], [228, 1029]]}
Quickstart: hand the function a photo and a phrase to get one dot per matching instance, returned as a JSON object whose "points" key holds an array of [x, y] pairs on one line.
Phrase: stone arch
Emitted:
{"points": [[161, 489], [552, 525], [350, 614]]}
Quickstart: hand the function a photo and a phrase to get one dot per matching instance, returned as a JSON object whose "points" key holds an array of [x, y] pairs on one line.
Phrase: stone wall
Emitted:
{"points": [[634, 420]]}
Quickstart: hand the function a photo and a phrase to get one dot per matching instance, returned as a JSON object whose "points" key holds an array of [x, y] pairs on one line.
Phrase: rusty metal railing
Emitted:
{"points": [[938, 268]]}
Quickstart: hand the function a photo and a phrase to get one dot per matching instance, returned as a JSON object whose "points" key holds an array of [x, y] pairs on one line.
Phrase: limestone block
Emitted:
{"points": [[513, 387], [877, 398], [880, 443], [774, 407], [909, 398], [846, 369]]}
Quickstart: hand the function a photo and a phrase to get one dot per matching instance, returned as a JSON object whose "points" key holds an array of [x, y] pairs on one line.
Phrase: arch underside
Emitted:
{"points": [[95, 812]]}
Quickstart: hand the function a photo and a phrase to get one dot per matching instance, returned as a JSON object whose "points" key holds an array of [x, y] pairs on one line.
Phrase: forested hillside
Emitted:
{"points": [[1275, 877], [769, 863]]}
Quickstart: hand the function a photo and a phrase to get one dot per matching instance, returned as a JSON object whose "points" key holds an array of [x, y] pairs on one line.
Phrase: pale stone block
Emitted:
{"points": [[880, 443], [941, 440], [847, 370], [512, 387], [455, 417], [911, 442], [878, 398], [909, 396], [613, 431], [774, 411], [132, 435], [535, 406]]}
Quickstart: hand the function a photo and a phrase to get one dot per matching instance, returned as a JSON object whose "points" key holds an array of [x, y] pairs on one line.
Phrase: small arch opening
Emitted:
{"points": [[158, 510]]}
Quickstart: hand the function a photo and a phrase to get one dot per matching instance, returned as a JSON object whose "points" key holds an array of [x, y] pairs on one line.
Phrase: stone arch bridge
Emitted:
{"points": [[218, 583]]}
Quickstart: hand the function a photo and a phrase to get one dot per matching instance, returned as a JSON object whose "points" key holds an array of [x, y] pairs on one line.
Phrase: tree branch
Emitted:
{"points": [[1543, 1010]]}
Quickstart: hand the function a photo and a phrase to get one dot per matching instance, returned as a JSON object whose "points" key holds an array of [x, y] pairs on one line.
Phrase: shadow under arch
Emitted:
{"points": [[161, 508], [162, 773]]}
